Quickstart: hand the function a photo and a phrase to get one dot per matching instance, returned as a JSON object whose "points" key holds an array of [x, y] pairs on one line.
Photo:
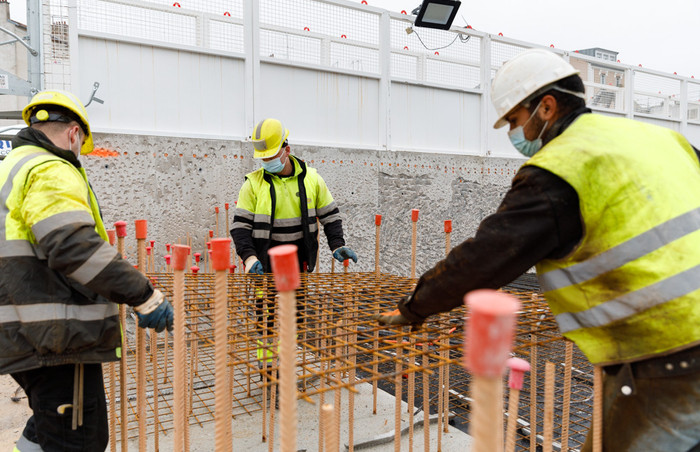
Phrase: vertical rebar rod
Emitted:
{"points": [[411, 399], [286, 270], [513, 400], [533, 392], [180, 364], [120, 227], [141, 343], [565, 413], [156, 395], [426, 396], [350, 307], [328, 415], [378, 224], [398, 393], [597, 409], [548, 426], [112, 372], [216, 210], [221, 258], [446, 387], [414, 239]]}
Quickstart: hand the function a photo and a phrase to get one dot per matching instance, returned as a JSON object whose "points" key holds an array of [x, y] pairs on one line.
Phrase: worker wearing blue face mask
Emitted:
{"points": [[279, 204], [608, 210]]}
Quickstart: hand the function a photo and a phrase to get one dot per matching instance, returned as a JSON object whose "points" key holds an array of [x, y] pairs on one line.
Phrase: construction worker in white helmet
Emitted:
{"points": [[608, 210], [279, 203], [60, 280]]}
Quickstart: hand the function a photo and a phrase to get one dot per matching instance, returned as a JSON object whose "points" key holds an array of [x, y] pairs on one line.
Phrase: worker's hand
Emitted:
{"points": [[156, 313], [256, 268], [391, 318], [344, 252]]}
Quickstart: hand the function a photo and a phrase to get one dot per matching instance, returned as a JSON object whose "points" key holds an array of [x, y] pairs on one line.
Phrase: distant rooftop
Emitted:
{"points": [[598, 52]]}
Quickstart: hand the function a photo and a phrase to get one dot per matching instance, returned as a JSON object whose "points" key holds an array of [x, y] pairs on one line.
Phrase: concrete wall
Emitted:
{"points": [[175, 183]]}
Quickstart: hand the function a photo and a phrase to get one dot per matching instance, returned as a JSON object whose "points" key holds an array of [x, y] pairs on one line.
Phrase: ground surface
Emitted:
{"points": [[247, 429]]}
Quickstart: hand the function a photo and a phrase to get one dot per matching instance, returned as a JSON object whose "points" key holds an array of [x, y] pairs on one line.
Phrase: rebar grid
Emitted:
{"points": [[335, 338]]}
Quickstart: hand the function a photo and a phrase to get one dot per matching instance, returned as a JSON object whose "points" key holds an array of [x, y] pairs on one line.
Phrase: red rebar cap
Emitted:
{"points": [[141, 229], [180, 253], [112, 235], [489, 332], [232, 268], [414, 215], [518, 367], [197, 256], [378, 220], [153, 242], [208, 245], [194, 269], [120, 227], [167, 247], [216, 209], [211, 233], [148, 250], [448, 226], [167, 257], [346, 263], [221, 254], [285, 267], [226, 206]]}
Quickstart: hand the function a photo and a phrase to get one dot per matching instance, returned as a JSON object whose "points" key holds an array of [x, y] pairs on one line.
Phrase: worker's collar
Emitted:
{"points": [[34, 137], [561, 124]]}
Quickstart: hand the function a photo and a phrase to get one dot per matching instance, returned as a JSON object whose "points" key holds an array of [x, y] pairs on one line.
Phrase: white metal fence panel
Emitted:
{"points": [[212, 67]]}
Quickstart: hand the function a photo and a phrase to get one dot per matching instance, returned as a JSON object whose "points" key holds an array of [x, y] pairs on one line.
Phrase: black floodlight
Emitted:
{"points": [[437, 14]]}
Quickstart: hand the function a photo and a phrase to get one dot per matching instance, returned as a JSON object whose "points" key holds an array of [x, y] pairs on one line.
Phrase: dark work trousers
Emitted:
{"points": [[663, 415], [49, 387]]}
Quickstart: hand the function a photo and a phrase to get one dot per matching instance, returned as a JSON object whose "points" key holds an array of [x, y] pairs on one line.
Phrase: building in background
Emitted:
{"points": [[13, 59]]}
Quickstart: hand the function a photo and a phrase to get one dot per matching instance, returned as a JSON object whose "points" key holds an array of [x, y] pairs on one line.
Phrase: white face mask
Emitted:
{"points": [[523, 145]]}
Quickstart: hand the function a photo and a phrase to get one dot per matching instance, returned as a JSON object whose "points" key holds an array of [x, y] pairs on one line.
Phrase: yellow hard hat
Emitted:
{"points": [[34, 112], [268, 137]]}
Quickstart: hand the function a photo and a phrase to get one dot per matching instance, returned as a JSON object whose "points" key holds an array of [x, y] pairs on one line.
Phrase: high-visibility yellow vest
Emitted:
{"points": [[65, 322], [631, 288]]}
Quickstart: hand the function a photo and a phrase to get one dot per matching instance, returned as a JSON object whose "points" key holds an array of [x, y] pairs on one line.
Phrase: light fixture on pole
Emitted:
{"points": [[436, 13]]}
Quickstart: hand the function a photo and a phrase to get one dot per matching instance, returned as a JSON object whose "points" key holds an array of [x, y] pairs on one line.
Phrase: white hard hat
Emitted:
{"points": [[524, 75]]}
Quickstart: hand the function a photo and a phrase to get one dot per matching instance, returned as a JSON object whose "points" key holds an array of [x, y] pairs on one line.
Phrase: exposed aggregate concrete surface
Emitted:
{"points": [[175, 183]]}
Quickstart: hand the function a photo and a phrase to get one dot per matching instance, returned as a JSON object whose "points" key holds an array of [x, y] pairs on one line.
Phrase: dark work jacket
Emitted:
{"points": [[538, 219]]}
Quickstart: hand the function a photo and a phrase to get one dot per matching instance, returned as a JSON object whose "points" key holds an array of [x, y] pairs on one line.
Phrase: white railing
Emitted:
{"points": [[363, 43]]}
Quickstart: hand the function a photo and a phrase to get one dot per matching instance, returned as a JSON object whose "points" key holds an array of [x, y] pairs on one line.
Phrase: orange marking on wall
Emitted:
{"points": [[102, 152]]}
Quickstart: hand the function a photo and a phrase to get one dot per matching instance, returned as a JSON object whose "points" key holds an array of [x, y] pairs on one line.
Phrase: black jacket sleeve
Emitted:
{"points": [[538, 218]]}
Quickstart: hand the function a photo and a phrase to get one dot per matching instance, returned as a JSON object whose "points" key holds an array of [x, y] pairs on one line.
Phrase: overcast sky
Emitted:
{"points": [[661, 35]]}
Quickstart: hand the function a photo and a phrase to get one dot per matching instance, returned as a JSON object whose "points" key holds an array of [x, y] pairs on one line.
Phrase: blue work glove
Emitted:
{"points": [[344, 252], [256, 268], [156, 313]]}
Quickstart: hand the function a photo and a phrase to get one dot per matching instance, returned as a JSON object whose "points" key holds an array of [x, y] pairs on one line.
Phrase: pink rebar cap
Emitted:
{"points": [[194, 269], [112, 235], [197, 256], [518, 367], [180, 253], [120, 227], [489, 332], [285, 267]]}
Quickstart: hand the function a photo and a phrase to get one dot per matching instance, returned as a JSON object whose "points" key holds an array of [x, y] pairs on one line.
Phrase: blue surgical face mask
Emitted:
{"points": [[273, 166], [523, 145]]}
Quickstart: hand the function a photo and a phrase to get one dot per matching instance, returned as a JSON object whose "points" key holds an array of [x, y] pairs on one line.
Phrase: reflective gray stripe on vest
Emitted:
{"points": [[330, 219], [24, 445], [95, 264], [50, 224], [623, 253], [324, 210], [43, 312], [632, 303], [260, 234], [243, 213], [288, 237], [5, 193], [15, 248]]}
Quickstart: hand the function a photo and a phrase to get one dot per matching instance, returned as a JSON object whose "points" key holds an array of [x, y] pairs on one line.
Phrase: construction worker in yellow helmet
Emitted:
{"points": [[60, 280], [280, 203], [608, 210]]}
